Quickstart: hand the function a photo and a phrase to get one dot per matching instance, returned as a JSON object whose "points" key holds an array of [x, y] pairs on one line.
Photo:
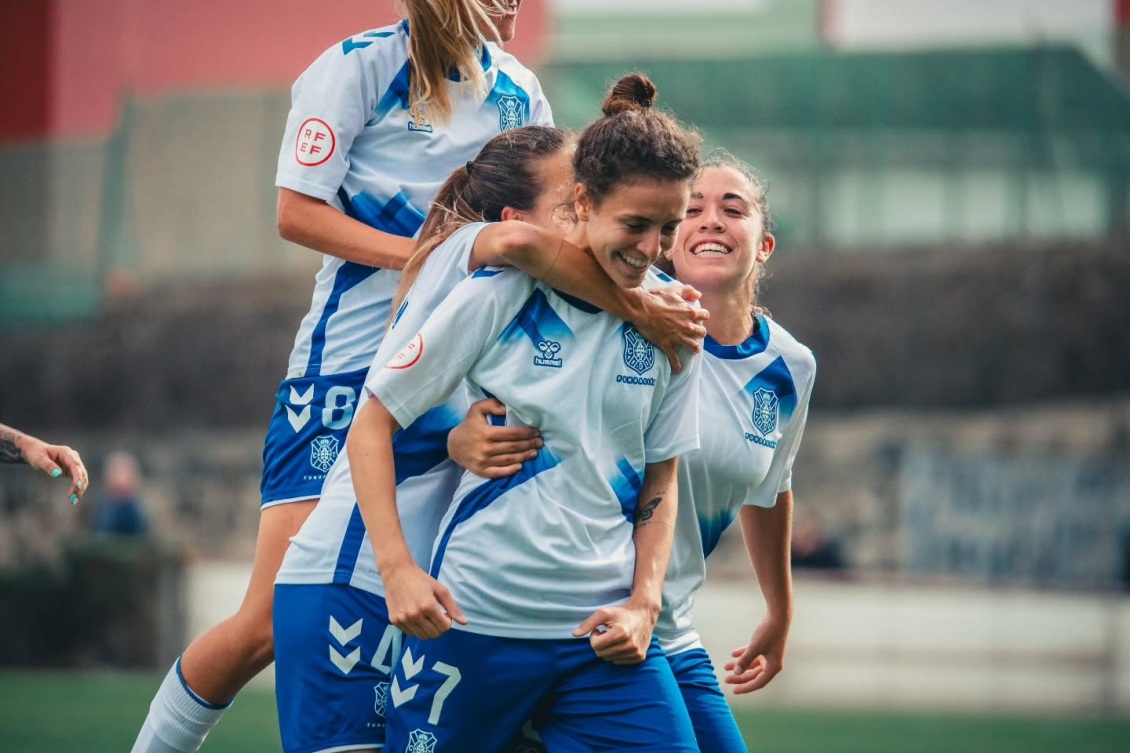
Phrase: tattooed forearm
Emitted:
{"points": [[645, 512], [9, 450]]}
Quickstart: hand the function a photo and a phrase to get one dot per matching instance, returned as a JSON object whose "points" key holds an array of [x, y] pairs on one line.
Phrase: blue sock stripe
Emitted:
{"points": [[192, 694]]}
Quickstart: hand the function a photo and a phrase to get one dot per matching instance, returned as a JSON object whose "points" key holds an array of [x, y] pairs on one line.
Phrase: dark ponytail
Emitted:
{"points": [[502, 175]]}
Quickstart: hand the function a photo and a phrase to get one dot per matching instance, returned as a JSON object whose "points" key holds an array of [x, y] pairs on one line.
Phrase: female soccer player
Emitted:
{"points": [[553, 576], [754, 395], [377, 123], [328, 588]]}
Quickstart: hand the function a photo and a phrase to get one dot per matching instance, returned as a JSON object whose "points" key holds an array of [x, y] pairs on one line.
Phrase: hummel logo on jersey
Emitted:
{"points": [[765, 410], [342, 636], [299, 419], [323, 452], [418, 120], [420, 741], [509, 112], [548, 348], [639, 354]]}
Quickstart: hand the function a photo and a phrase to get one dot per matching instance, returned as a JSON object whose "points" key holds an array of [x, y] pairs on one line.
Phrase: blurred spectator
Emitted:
{"points": [[814, 550], [120, 511]]}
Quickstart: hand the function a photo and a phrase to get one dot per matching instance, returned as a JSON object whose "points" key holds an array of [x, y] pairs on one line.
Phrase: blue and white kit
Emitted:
{"points": [[528, 558], [754, 403], [352, 141], [328, 592]]}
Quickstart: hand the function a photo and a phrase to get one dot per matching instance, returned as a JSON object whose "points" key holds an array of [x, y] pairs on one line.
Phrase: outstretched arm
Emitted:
{"points": [[54, 460], [767, 532], [418, 604], [622, 635], [315, 224], [664, 317]]}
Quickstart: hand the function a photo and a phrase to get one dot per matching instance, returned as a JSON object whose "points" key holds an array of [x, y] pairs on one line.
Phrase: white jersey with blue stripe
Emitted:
{"points": [[352, 141], [754, 403], [534, 554], [333, 546]]}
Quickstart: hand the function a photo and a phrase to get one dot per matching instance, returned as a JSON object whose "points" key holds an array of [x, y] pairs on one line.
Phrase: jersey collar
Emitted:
{"points": [[754, 344]]}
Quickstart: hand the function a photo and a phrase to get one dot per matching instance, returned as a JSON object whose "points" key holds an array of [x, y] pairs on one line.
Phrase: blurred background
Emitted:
{"points": [[950, 184]]}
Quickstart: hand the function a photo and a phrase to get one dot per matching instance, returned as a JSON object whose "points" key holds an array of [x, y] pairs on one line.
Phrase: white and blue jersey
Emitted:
{"points": [[333, 546], [352, 141], [535, 554], [754, 403], [334, 645]]}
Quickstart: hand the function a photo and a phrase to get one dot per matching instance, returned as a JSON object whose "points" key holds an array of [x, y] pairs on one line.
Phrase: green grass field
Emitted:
{"points": [[99, 712]]}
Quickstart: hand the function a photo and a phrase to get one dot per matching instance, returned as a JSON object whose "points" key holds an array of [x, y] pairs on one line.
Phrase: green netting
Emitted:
{"points": [[1019, 90], [880, 150]]}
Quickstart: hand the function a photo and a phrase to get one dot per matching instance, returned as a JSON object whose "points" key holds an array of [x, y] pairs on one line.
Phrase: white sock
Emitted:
{"points": [[178, 719]]}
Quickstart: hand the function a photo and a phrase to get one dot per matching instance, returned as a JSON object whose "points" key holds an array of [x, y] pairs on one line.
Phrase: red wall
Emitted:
{"points": [[25, 72], [70, 62]]}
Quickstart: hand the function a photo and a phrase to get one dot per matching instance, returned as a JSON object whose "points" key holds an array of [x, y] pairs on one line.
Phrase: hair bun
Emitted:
{"points": [[632, 92]]}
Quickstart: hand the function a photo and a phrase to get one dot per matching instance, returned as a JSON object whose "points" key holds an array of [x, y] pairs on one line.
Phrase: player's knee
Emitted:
{"points": [[257, 633]]}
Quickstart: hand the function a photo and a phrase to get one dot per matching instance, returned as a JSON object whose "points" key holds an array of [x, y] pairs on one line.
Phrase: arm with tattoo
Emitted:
{"points": [[54, 460]]}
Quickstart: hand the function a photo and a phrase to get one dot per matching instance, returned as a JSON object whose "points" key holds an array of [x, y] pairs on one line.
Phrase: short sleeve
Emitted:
{"points": [[780, 476], [427, 370], [540, 112], [331, 102]]}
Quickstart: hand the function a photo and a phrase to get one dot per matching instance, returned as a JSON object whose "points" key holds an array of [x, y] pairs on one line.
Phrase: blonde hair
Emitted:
{"points": [[446, 35]]}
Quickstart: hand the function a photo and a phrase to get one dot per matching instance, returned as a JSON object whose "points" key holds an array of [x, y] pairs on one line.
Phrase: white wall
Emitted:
{"points": [[878, 646], [875, 645]]}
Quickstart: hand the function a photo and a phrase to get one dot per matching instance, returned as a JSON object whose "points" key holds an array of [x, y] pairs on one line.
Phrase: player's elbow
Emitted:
{"points": [[290, 217]]}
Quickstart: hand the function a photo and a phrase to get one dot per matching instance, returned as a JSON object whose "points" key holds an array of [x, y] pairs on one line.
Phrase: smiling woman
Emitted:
{"points": [[574, 546], [626, 165]]}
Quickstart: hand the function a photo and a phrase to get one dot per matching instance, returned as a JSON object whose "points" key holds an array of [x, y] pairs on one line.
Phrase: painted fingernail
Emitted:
{"points": [[80, 486], [74, 499], [56, 473]]}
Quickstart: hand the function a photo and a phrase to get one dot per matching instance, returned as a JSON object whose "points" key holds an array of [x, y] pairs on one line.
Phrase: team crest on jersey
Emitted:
{"points": [[639, 354], [323, 452], [420, 741], [509, 112], [418, 120], [765, 410], [380, 704], [549, 349]]}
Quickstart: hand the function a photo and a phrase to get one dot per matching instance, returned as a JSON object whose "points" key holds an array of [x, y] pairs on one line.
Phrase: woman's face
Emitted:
{"points": [[504, 13], [554, 174], [632, 226], [723, 238]]}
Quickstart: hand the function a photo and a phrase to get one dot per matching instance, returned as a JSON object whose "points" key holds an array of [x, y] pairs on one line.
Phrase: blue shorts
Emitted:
{"points": [[469, 693], [334, 650], [307, 431], [714, 725]]}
